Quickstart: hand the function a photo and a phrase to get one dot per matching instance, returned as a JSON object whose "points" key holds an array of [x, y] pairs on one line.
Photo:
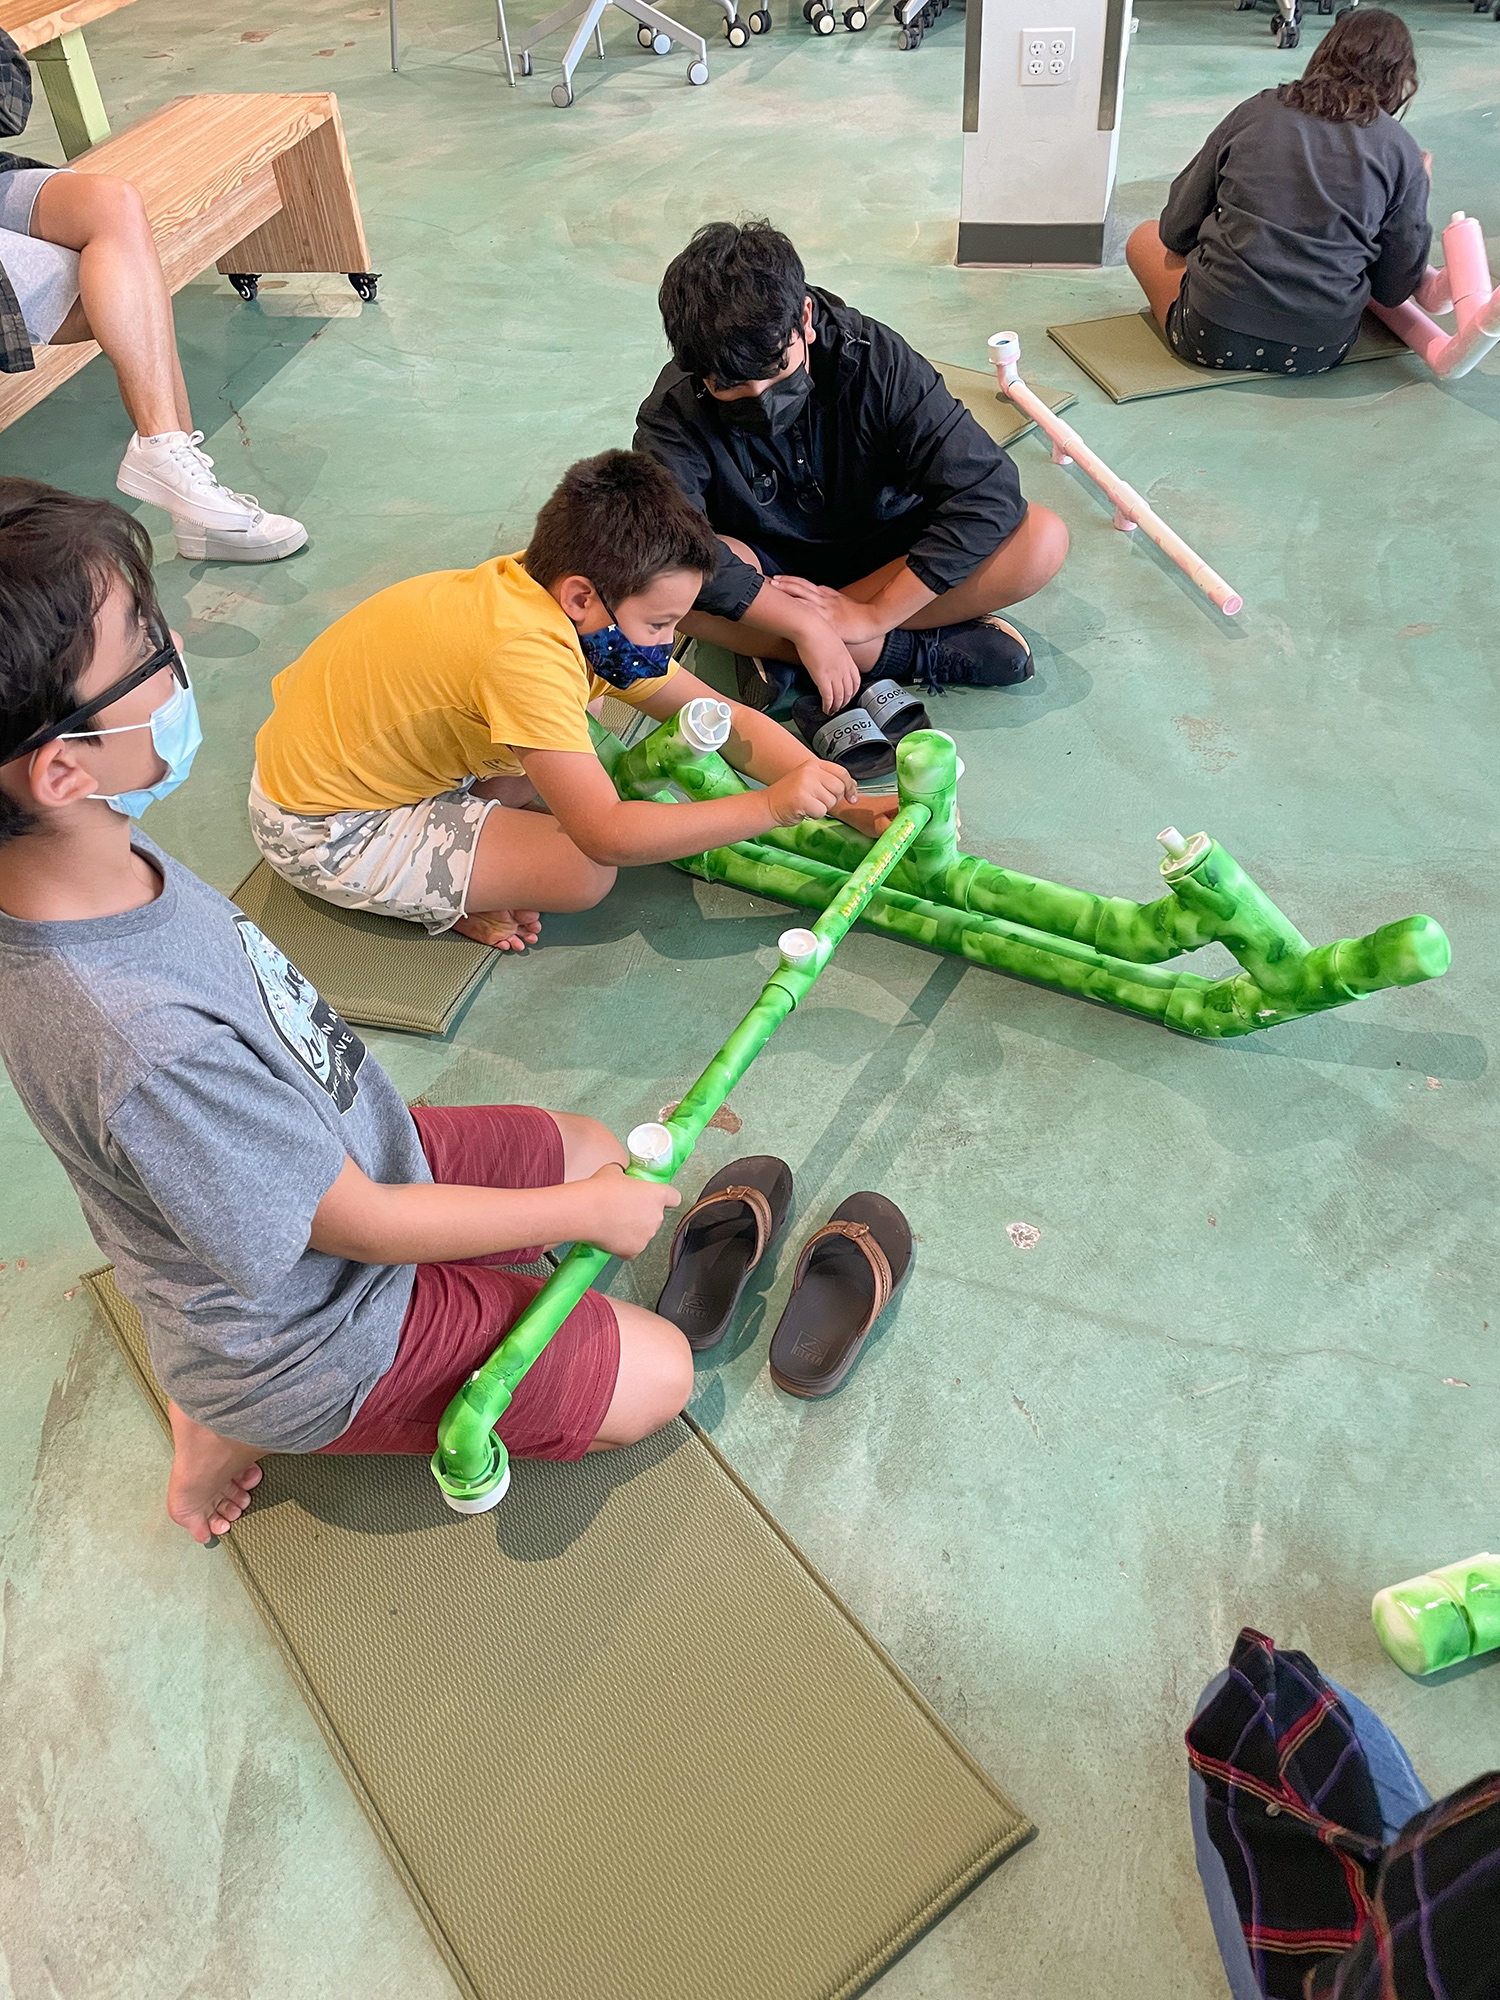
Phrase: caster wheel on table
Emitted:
{"points": [[909, 38], [697, 72], [661, 45], [824, 21], [525, 62], [736, 34], [760, 22], [1287, 34], [562, 95], [1244, 6], [364, 282], [645, 37], [856, 20], [809, 8], [246, 283]]}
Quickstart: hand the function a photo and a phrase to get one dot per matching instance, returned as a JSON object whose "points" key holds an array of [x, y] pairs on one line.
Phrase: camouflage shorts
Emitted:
{"points": [[411, 862]]}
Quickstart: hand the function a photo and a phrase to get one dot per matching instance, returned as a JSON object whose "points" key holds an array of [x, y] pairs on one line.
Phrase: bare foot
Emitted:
{"points": [[211, 1479], [505, 930]]}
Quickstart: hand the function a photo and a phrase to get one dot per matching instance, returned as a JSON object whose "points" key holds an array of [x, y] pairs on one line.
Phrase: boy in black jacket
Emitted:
{"points": [[868, 526]]}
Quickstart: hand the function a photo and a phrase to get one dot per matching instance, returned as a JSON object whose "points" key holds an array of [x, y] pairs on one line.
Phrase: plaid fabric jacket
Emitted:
{"points": [[15, 109], [1433, 1932], [1293, 1814]]}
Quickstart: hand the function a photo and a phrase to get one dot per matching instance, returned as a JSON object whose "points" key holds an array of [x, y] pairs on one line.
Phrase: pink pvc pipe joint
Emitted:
{"points": [[1131, 511], [1466, 283]]}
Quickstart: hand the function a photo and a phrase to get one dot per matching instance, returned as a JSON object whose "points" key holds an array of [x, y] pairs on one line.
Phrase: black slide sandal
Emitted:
{"points": [[894, 710], [719, 1242], [852, 739], [847, 1275]]}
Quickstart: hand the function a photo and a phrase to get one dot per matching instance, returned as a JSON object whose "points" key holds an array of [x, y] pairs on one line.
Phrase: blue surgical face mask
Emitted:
{"points": [[175, 737], [619, 660]]}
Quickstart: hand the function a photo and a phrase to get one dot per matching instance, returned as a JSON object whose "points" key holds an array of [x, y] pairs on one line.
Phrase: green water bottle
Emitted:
{"points": [[1439, 1619]]}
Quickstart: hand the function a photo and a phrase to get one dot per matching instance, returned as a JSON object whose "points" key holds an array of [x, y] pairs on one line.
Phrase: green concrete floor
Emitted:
{"points": [[1246, 1375]]}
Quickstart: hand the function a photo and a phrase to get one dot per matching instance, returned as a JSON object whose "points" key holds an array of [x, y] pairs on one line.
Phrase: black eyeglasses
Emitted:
{"points": [[164, 655]]}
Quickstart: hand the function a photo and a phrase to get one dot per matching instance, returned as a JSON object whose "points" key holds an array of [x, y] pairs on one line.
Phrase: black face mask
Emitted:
{"points": [[775, 409]]}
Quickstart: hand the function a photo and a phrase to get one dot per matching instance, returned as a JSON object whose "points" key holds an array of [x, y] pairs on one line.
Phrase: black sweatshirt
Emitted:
{"points": [[882, 463], [1291, 224]]}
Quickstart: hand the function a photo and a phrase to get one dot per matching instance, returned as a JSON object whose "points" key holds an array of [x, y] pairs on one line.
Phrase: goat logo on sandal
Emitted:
{"points": [[321, 1040]]}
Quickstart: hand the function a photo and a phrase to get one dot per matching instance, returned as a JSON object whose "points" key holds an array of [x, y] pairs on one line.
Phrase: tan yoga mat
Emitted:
{"points": [[1128, 356], [976, 389], [377, 971], [617, 1737]]}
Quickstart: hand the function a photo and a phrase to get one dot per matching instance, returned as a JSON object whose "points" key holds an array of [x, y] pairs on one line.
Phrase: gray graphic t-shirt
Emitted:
{"points": [[203, 1098]]}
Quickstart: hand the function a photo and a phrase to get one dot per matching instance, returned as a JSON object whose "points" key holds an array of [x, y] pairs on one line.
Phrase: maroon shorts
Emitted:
{"points": [[459, 1313]]}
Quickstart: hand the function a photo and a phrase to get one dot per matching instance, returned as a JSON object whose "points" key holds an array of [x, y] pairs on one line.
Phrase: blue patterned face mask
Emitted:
{"points": [[619, 660]]}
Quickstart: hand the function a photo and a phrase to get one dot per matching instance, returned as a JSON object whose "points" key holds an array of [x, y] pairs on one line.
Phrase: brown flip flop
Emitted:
{"points": [[847, 1275], [719, 1242]]}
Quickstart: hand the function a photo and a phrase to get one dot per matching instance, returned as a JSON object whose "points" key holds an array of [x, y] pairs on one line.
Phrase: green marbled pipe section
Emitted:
{"points": [[1100, 947], [927, 774], [1434, 1621], [663, 758], [1062, 963]]}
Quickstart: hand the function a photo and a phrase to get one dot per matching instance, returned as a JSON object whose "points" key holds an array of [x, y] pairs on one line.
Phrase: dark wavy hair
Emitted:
{"points": [[621, 520], [731, 301], [60, 555], [1364, 65]]}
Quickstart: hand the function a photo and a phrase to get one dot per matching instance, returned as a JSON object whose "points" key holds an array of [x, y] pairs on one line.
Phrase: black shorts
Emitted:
{"points": [[1193, 338]]}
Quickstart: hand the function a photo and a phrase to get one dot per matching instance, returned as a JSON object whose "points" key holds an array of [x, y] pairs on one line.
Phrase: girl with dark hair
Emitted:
{"points": [[1307, 202]]}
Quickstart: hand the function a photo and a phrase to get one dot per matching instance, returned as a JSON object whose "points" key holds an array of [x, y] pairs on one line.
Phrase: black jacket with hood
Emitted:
{"points": [[882, 463]]}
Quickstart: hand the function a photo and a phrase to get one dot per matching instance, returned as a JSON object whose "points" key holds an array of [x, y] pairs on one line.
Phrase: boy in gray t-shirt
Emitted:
{"points": [[316, 1266]]}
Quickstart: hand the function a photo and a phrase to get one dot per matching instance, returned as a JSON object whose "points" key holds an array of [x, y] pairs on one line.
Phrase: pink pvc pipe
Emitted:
{"points": [[1476, 305], [1131, 511]]}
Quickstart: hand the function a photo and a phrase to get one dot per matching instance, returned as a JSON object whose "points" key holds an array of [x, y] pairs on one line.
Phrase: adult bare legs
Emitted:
{"points": [[124, 304], [1156, 269]]}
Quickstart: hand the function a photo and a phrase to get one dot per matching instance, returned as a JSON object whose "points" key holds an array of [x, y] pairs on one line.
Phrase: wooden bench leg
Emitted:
{"points": [[319, 227], [72, 92]]}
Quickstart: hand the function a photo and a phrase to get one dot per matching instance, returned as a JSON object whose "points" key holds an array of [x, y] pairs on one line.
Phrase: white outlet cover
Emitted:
{"points": [[1046, 56]]}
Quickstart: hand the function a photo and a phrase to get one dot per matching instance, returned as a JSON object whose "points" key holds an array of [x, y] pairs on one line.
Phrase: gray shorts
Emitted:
{"points": [[411, 862], [43, 276]]}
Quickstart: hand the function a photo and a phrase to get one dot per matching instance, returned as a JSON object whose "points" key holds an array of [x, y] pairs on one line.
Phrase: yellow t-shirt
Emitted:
{"points": [[434, 681]]}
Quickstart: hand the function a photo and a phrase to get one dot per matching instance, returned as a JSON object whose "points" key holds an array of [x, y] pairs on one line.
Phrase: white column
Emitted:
{"points": [[1043, 85]]}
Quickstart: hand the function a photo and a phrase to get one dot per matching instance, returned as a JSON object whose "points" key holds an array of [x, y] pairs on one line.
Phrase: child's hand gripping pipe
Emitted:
{"points": [[470, 1463]]}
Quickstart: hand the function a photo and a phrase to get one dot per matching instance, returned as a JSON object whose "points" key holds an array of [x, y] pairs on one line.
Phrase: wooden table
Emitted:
{"points": [[50, 34]]}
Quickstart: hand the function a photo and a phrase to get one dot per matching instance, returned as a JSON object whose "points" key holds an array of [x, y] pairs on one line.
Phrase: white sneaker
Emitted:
{"points": [[212, 524]]}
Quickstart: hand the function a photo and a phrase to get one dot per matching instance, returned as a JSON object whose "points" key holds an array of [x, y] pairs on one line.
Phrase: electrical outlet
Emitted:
{"points": [[1046, 56]]}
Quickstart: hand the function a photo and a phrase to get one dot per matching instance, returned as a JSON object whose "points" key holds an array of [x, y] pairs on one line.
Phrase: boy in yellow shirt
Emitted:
{"points": [[407, 742]]}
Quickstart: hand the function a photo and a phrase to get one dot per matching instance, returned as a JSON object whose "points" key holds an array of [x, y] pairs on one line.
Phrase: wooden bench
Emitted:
{"points": [[248, 184]]}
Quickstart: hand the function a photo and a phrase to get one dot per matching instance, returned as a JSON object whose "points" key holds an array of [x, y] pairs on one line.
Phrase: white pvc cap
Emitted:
{"points": [[485, 1501], [1182, 851], [1005, 347], [798, 947], [649, 1145], [704, 723]]}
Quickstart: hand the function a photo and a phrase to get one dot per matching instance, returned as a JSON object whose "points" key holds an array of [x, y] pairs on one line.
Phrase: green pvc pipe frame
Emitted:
{"points": [[1103, 948], [470, 1464]]}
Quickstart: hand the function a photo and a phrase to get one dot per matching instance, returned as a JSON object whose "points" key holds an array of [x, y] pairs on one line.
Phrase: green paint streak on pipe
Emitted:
{"points": [[470, 1463]]}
